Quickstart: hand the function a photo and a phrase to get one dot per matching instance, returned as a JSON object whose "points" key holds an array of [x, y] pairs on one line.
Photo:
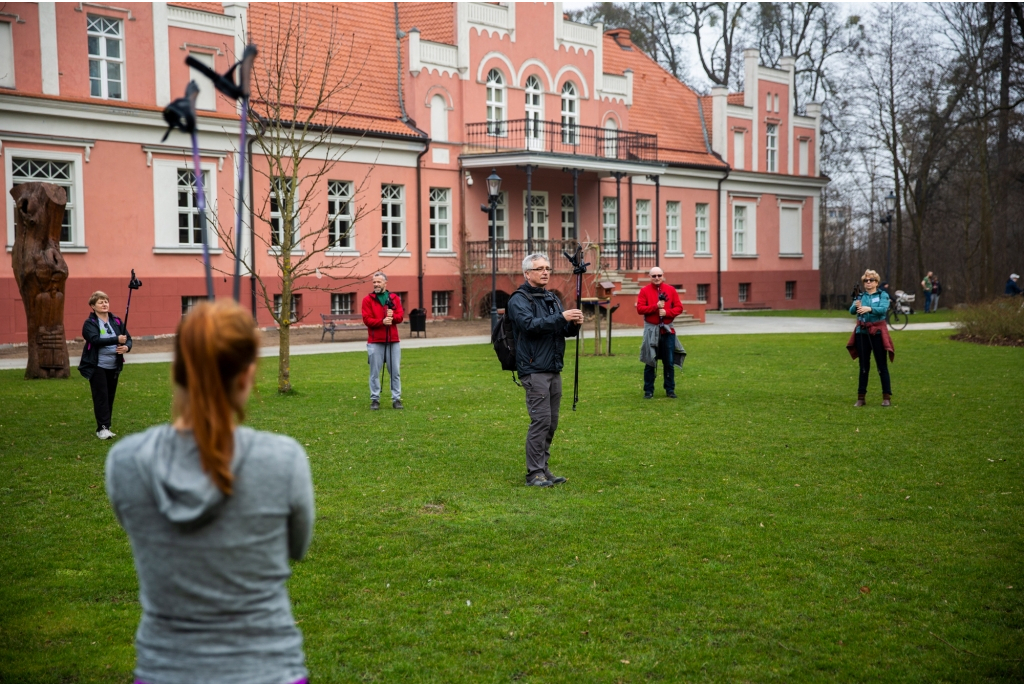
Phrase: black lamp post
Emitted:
{"points": [[890, 206], [491, 208]]}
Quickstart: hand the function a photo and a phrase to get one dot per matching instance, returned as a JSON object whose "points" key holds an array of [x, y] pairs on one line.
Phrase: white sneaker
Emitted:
{"points": [[104, 434], [112, 433]]}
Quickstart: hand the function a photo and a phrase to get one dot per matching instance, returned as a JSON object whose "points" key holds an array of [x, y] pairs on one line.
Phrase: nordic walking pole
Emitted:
{"points": [[579, 267], [133, 284], [239, 90], [181, 114]]}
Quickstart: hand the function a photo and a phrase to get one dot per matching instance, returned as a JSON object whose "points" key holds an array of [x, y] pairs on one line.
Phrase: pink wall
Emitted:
{"points": [[28, 77]]}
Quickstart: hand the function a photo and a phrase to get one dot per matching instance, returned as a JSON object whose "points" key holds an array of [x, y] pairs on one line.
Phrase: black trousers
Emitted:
{"points": [[104, 386], [866, 346]]}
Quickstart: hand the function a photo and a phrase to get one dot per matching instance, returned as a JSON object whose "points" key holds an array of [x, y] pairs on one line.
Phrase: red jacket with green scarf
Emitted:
{"points": [[374, 314]]}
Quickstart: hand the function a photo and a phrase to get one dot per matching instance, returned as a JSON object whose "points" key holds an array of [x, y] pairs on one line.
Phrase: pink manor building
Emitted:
{"points": [[592, 139]]}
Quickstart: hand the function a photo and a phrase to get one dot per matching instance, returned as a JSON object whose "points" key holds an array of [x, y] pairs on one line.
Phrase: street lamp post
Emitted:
{"points": [[491, 209], [890, 206]]}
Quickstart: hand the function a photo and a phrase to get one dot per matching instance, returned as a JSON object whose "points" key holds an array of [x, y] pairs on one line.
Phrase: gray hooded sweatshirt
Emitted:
{"points": [[212, 569]]}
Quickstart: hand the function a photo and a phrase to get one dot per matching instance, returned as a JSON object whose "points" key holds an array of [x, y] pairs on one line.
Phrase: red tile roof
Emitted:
{"points": [[661, 104], [211, 7], [435, 20], [364, 61], [736, 98]]}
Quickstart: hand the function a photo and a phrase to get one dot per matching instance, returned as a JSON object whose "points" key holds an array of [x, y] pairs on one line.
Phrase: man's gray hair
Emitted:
{"points": [[531, 258], [379, 273]]}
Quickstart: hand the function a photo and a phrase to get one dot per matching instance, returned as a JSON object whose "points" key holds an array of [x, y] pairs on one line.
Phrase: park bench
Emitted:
{"points": [[347, 321]]}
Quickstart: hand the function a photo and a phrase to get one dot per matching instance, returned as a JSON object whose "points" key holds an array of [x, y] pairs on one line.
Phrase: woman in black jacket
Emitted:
{"points": [[106, 342]]}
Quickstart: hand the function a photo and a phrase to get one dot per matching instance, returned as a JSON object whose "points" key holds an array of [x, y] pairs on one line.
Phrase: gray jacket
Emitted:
{"points": [[649, 346], [212, 569]]}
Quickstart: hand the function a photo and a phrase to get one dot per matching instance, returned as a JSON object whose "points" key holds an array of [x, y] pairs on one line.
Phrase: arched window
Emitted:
{"points": [[611, 139], [438, 118], [495, 103], [534, 114], [570, 114]]}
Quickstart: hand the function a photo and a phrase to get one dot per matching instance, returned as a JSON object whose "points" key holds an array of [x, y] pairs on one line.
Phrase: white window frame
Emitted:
{"points": [[104, 60], [337, 300], [610, 220], [496, 103], [440, 226], [534, 113], [611, 138], [7, 79], [296, 304], [500, 223], [643, 220], [771, 144], [437, 308], [340, 196], [568, 210], [541, 217], [749, 231], [739, 149], [570, 114], [673, 227], [207, 99], [795, 241], [706, 287], [439, 118], [192, 208], [701, 212], [76, 196], [165, 207], [805, 157], [390, 219], [743, 293], [277, 216]]}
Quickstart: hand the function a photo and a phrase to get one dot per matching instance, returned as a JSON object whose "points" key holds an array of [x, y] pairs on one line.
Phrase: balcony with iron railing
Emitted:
{"points": [[622, 255], [535, 135]]}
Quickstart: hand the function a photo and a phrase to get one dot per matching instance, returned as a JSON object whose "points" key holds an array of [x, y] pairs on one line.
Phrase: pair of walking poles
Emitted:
{"points": [[235, 84]]}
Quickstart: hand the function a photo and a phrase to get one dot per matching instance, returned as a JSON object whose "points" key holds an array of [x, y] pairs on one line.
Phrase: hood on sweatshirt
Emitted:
{"points": [[183, 491]]}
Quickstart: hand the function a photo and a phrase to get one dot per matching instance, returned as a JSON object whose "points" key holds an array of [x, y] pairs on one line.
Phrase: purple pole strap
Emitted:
{"points": [[237, 293], [201, 193]]}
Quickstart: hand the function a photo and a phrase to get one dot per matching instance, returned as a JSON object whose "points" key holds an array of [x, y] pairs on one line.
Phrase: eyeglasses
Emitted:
{"points": [[657, 275], [542, 268], [106, 327], [871, 280]]}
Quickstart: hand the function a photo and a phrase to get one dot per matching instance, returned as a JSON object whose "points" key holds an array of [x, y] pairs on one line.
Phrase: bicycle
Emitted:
{"points": [[900, 310]]}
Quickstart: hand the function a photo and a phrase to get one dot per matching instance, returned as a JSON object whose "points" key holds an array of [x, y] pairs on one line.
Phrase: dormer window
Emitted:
{"points": [[534, 113], [570, 114], [495, 103]]}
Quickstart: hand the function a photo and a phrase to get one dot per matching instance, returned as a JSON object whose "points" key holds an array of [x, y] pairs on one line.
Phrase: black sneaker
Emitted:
{"points": [[374, 404], [397, 404], [555, 480], [538, 480], [648, 395], [670, 395]]}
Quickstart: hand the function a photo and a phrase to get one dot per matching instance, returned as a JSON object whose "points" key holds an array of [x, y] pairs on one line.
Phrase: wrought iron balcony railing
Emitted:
{"points": [[534, 135], [628, 255]]}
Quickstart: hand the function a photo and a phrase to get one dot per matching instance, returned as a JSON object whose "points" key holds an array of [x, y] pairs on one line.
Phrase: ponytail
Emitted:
{"points": [[216, 342]]}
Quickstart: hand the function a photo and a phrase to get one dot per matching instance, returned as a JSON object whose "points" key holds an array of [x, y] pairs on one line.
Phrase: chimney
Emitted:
{"points": [[719, 120], [751, 60]]}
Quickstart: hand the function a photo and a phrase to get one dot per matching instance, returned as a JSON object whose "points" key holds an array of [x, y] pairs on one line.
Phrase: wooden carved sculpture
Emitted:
{"points": [[41, 273]]}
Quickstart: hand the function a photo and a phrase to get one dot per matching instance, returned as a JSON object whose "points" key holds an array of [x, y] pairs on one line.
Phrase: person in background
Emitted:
{"points": [[1012, 289], [106, 342], [214, 511], [926, 286], [540, 326], [659, 304], [936, 291], [871, 336], [382, 312]]}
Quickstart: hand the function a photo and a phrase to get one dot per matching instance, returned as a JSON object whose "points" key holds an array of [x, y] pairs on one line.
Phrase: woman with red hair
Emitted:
{"points": [[213, 511]]}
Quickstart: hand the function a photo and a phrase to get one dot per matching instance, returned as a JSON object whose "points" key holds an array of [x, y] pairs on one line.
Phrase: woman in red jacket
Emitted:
{"points": [[382, 312], [660, 305]]}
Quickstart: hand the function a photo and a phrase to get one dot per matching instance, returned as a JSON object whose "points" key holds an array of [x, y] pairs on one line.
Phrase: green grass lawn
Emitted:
{"points": [[916, 317], [759, 528]]}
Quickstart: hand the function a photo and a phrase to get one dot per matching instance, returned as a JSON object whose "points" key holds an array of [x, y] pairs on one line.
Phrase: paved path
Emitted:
{"points": [[717, 324]]}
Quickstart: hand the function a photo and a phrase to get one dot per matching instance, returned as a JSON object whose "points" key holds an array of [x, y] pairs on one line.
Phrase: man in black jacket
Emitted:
{"points": [[540, 326]]}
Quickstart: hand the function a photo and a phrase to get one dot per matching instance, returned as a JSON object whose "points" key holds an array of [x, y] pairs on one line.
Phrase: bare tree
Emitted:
{"points": [[301, 97]]}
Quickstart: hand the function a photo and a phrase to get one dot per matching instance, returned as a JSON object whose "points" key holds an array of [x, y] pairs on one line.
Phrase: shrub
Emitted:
{"points": [[1000, 322]]}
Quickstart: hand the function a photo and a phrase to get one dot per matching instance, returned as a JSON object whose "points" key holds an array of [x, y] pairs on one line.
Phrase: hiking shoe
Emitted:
{"points": [[670, 395], [374, 404], [104, 434], [555, 480], [886, 402], [397, 404], [859, 403], [648, 395], [539, 480]]}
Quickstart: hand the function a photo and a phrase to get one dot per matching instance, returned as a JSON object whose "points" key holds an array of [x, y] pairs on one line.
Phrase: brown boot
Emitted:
{"points": [[860, 401], [885, 400]]}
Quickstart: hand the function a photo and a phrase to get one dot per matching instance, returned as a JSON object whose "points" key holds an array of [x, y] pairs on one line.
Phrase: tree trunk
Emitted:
{"points": [[986, 273]]}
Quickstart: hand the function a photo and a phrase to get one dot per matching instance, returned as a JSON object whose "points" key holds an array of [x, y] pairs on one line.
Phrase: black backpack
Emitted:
{"points": [[503, 339]]}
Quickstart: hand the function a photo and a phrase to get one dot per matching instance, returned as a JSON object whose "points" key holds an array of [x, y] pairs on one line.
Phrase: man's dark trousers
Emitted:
{"points": [[666, 353], [543, 397]]}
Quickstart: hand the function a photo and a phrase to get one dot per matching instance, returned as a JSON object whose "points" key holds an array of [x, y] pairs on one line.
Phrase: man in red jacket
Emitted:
{"points": [[382, 312], [660, 305]]}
